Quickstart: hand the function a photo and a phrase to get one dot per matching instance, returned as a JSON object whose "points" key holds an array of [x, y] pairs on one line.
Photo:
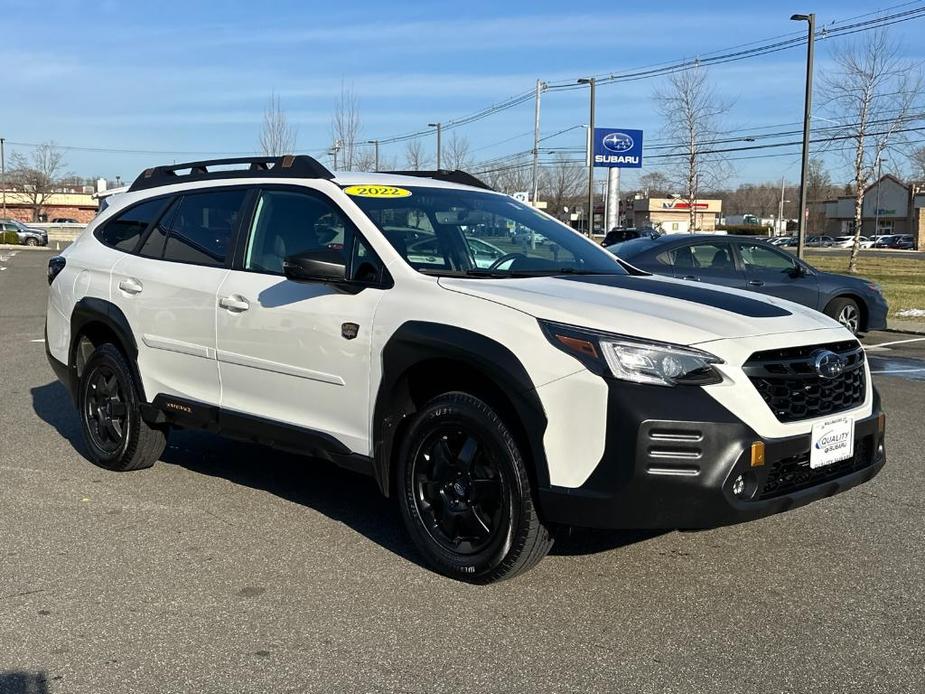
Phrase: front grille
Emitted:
{"points": [[788, 382], [794, 473]]}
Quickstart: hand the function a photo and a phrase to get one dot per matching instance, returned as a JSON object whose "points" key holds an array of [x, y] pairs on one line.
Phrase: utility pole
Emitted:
{"points": [[810, 19], [540, 86], [334, 150], [590, 82], [438, 126], [375, 144], [877, 210], [3, 172], [780, 210]]}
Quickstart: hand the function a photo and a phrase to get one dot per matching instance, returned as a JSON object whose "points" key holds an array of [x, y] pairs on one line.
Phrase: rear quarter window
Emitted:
{"points": [[125, 229]]}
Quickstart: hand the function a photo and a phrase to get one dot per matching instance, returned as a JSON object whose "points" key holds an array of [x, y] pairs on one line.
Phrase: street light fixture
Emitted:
{"points": [[438, 126], [590, 146], [810, 20]]}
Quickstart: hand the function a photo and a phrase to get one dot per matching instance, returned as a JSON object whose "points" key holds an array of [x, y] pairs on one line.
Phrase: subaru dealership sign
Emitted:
{"points": [[617, 148]]}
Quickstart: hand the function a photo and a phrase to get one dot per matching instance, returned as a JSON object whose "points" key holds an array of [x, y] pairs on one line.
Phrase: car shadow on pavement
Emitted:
{"points": [[344, 496], [54, 406], [20, 682]]}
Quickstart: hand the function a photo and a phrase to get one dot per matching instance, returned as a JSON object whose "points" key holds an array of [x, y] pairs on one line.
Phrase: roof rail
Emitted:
{"points": [[285, 166], [456, 176]]}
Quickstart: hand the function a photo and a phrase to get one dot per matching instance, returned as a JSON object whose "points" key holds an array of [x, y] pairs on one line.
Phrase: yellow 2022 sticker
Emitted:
{"points": [[377, 192]]}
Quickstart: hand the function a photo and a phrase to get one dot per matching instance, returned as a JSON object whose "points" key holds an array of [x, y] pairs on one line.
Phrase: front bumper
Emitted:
{"points": [[679, 472], [877, 309]]}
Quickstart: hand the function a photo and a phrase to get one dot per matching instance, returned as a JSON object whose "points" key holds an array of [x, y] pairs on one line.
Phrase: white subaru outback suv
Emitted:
{"points": [[494, 370]]}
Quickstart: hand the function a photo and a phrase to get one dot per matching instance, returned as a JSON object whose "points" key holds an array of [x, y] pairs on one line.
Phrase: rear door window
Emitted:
{"points": [[199, 231]]}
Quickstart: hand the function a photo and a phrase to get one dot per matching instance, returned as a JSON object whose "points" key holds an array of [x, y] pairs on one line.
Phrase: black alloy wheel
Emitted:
{"points": [[106, 414], [459, 491], [109, 400], [465, 493]]}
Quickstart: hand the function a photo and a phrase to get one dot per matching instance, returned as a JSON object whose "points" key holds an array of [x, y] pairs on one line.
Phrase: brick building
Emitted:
{"points": [[79, 206]]}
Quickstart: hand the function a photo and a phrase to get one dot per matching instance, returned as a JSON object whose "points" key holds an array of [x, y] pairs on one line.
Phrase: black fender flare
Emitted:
{"points": [[90, 310], [418, 341]]}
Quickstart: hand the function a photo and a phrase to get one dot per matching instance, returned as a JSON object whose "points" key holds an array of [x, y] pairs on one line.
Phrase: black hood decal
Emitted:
{"points": [[734, 303]]}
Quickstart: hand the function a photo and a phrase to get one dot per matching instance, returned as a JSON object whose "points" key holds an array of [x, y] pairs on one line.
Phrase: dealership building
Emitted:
{"points": [[890, 207], [672, 215]]}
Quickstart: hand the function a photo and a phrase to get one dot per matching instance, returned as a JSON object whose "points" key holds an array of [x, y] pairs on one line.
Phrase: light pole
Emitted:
{"points": [[375, 144], [3, 173], [438, 127], [810, 19], [590, 82]]}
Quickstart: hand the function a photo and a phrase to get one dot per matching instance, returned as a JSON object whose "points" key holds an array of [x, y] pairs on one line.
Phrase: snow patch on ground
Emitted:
{"points": [[911, 313]]}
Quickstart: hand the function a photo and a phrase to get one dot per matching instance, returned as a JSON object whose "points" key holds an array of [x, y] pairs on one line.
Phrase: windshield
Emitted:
{"points": [[634, 247], [460, 232]]}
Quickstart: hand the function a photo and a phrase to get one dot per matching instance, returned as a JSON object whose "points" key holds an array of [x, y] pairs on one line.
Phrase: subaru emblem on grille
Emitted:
{"points": [[828, 364]]}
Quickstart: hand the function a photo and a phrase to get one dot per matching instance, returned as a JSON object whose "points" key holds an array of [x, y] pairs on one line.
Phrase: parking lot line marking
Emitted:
{"points": [[895, 342]]}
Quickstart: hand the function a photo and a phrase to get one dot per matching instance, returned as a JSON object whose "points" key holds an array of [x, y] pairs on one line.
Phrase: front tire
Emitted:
{"points": [[32, 242], [846, 312], [465, 494], [116, 436]]}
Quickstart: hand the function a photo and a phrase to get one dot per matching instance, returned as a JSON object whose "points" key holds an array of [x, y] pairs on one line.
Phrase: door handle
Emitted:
{"points": [[755, 283], [131, 286], [234, 303], [693, 278]]}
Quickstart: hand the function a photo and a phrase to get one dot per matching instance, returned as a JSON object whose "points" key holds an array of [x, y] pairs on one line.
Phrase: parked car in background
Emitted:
{"points": [[819, 242], [28, 236], [783, 240], [902, 242], [884, 241], [848, 242], [64, 220], [621, 234], [856, 303]]}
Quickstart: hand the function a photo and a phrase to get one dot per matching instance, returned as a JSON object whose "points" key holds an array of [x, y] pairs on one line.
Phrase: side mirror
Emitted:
{"points": [[322, 265], [797, 271]]}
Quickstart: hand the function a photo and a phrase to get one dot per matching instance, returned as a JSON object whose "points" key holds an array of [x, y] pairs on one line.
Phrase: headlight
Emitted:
{"points": [[638, 361]]}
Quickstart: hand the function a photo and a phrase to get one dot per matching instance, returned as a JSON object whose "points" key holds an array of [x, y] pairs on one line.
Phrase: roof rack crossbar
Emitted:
{"points": [[456, 176], [285, 166]]}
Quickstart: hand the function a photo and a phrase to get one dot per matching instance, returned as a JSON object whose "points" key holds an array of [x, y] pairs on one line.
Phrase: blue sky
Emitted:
{"points": [[183, 77]]}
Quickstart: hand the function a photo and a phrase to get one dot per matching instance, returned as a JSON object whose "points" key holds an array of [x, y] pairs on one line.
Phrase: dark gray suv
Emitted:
{"points": [[28, 236], [755, 265]]}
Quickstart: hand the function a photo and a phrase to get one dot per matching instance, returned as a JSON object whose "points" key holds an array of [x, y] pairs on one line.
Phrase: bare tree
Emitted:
{"points": [[415, 157], [872, 91], [345, 128], [819, 188], [917, 159], [561, 182], [509, 175], [277, 136], [456, 154], [655, 183], [36, 177], [691, 110]]}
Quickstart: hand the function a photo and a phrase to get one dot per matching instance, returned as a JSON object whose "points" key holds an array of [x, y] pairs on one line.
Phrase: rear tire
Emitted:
{"points": [[116, 436], [465, 493], [846, 312]]}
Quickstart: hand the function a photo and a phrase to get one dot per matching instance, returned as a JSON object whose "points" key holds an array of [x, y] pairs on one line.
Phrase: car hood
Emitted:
{"points": [[650, 307]]}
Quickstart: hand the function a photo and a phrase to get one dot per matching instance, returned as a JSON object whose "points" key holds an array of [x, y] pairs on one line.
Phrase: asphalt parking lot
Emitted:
{"points": [[231, 568]]}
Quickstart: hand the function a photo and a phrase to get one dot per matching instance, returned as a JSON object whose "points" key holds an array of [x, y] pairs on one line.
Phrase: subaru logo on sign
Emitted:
{"points": [[620, 149], [618, 142], [828, 364]]}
